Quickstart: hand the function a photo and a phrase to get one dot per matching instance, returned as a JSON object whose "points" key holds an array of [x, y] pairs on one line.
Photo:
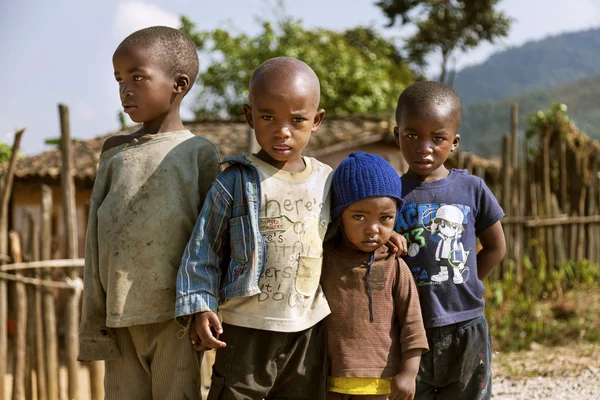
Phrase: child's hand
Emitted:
{"points": [[207, 329], [397, 244], [403, 387]]}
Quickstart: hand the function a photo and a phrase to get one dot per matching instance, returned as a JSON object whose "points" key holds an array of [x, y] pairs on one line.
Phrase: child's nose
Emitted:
{"points": [[372, 229], [424, 147], [125, 90], [283, 132]]}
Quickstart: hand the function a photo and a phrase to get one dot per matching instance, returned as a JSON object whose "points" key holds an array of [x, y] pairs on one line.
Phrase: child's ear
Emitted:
{"points": [[248, 114], [455, 142], [318, 119], [397, 135], [182, 83]]}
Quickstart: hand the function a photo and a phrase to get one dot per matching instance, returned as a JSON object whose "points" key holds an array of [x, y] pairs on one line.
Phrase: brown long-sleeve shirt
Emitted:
{"points": [[358, 347]]}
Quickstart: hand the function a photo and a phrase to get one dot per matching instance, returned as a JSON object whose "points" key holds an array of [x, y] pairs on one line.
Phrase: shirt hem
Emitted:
{"points": [[276, 324]]}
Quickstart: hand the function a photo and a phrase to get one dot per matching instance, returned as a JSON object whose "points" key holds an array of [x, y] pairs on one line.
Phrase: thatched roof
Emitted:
{"points": [[230, 137]]}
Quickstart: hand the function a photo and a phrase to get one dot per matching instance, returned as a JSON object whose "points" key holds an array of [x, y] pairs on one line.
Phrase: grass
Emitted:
{"points": [[547, 307]]}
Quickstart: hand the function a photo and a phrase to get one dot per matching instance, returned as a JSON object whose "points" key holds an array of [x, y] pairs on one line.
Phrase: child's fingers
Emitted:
{"points": [[214, 322]]}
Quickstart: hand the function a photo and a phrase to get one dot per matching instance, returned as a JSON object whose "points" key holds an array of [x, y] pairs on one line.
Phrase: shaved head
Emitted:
{"points": [[429, 93], [288, 72]]}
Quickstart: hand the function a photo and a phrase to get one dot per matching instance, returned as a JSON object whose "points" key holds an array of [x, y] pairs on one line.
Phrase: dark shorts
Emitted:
{"points": [[259, 364], [458, 364]]}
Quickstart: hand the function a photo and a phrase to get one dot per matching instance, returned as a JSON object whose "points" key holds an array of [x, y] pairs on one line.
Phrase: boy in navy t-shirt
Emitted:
{"points": [[443, 215]]}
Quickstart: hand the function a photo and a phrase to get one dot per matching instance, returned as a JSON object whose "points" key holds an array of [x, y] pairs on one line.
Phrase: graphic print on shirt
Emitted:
{"points": [[293, 230], [438, 228]]}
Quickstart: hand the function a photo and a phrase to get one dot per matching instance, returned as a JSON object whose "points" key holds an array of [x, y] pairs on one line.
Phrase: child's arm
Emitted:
{"points": [[199, 275], [404, 383], [493, 248], [413, 339]]}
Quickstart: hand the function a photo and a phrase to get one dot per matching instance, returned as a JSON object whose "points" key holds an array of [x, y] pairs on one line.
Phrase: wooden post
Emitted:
{"points": [[506, 200], [51, 344], [40, 360], [5, 196], [70, 224], [547, 199], [20, 301], [564, 201], [581, 240], [523, 175], [592, 209], [517, 242], [25, 241]]}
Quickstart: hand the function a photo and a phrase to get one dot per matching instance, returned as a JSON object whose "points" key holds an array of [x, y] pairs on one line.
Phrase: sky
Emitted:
{"points": [[60, 51]]}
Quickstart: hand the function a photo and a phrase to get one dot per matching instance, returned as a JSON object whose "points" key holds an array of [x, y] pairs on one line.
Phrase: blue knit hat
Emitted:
{"points": [[363, 175]]}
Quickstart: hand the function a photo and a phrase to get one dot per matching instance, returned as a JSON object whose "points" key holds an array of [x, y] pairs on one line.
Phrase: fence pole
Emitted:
{"points": [[6, 192], [25, 241], [40, 360], [69, 218], [48, 297], [547, 199], [523, 175], [592, 209], [20, 301], [506, 200], [517, 199]]}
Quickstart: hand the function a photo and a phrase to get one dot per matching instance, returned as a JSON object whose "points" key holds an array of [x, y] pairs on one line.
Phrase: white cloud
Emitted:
{"points": [[135, 15]]}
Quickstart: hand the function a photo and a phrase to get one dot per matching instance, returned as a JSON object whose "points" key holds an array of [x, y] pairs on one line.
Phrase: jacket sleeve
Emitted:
{"points": [[96, 340], [408, 310], [199, 275]]}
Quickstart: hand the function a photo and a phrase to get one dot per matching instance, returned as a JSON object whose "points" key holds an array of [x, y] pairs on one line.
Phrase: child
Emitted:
{"points": [[444, 212], [148, 192], [375, 330], [256, 250]]}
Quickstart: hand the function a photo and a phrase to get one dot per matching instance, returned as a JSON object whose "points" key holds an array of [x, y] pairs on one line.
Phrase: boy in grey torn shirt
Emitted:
{"points": [[149, 189]]}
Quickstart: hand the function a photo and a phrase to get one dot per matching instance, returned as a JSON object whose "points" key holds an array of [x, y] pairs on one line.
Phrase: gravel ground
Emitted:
{"points": [[548, 373]]}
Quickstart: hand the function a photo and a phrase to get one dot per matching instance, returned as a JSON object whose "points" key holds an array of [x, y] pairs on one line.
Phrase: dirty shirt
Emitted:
{"points": [[294, 214], [145, 202]]}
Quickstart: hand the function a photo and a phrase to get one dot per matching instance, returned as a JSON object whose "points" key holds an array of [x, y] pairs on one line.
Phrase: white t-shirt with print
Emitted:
{"points": [[294, 215]]}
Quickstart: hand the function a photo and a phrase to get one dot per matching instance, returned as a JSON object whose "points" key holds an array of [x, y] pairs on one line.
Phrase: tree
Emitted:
{"points": [[359, 71], [446, 26], [5, 152]]}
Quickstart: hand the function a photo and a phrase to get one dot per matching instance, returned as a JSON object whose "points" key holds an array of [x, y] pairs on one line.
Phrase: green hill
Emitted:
{"points": [[541, 64], [484, 124]]}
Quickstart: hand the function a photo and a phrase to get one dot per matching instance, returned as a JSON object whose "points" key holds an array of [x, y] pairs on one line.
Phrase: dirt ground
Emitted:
{"points": [[549, 373]]}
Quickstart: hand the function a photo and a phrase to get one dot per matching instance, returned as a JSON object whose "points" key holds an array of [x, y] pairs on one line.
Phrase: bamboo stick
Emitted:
{"points": [[70, 224], [50, 334], [506, 200], [20, 301], [4, 198], [547, 201], [40, 362], [516, 198]]}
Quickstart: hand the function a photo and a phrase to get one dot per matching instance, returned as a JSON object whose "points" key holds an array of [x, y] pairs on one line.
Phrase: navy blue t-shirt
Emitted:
{"points": [[441, 221]]}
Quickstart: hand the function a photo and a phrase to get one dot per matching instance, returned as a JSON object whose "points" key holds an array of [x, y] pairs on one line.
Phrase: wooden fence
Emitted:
{"points": [[551, 200]]}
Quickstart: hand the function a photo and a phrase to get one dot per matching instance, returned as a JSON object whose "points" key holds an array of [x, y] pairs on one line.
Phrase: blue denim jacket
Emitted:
{"points": [[224, 257]]}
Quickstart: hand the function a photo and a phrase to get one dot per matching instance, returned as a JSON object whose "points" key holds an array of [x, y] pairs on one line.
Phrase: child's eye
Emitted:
{"points": [[386, 218], [268, 118], [359, 217], [299, 120], [137, 78], [410, 136], [439, 139], [119, 81]]}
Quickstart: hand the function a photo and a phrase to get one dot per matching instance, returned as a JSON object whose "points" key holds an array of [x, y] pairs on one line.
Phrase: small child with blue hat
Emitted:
{"points": [[375, 329]]}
